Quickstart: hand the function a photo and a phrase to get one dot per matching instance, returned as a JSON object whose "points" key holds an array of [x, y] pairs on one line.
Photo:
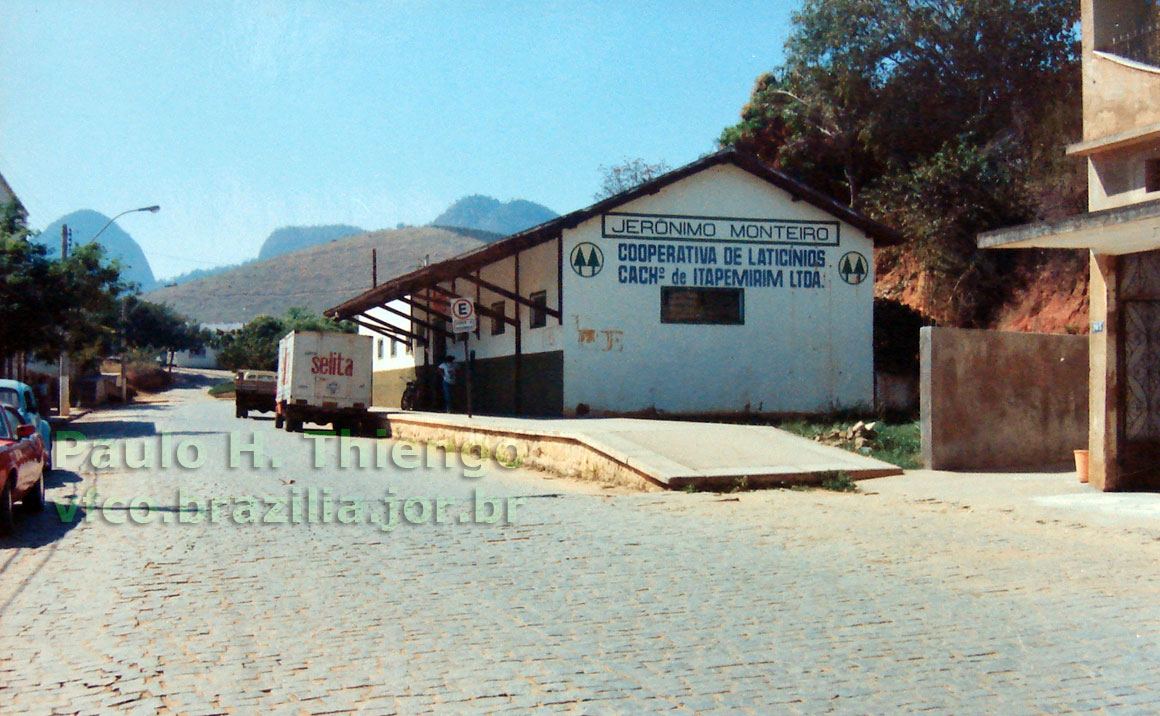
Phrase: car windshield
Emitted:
{"points": [[8, 396]]}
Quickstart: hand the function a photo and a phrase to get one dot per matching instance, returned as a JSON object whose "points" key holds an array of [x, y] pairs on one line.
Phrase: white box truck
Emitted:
{"points": [[324, 378]]}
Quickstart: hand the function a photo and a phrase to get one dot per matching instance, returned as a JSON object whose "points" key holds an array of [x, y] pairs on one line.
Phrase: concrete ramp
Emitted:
{"points": [[642, 453]]}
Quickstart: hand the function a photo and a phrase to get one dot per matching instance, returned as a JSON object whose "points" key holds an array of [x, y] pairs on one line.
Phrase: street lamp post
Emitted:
{"points": [[63, 409], [151, 209]]}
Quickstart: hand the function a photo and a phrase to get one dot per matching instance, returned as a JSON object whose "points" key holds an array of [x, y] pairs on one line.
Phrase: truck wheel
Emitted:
{"points": [[7, 522], [34, 500]]}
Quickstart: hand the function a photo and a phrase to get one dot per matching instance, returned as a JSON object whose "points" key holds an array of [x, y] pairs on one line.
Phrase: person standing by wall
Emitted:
{"points": [[447, 377]]}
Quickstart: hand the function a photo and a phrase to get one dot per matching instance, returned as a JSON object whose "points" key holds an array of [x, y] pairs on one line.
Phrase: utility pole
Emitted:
{"points": [[62, 377], [374, 268], [124, 382]]}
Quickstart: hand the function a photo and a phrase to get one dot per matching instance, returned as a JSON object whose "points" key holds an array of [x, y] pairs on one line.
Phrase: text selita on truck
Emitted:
{"points": [[324, 378]]}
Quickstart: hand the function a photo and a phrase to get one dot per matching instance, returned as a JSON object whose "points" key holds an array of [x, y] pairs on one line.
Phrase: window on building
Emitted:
{"points": [[713, 306], [539, 317], [381, 348], [410, 346], [1152, 175], [498, 326], [394, 348]]}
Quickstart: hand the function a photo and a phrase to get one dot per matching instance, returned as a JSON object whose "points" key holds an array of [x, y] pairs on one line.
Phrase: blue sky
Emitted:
{"points": [[238, 118]]}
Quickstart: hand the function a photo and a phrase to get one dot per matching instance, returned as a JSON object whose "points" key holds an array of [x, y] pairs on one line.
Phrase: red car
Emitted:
{"points": [[22, 462]]}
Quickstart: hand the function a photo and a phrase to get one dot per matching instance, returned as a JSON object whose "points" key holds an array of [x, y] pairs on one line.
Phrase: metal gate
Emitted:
{"points": [[1140, 425]]}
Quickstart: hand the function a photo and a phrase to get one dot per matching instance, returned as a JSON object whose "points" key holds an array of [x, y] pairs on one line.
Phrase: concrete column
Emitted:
{"points": [[1104, 369]]}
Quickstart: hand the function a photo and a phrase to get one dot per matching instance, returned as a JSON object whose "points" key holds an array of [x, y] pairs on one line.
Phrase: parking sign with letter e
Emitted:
{"points": [[462, 316]]}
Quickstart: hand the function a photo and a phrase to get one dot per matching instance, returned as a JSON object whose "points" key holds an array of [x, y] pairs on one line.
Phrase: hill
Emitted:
{"points": [[316, 277], [292, 238], [117, 242], [200, 273], [488, 214]]}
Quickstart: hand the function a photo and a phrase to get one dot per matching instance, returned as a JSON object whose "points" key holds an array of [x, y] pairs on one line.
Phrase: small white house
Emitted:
{"points": [[201, 358], [722, 286]]}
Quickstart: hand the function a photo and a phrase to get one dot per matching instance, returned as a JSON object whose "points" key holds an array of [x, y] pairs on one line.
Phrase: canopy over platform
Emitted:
{"points": [[1123, 230]]}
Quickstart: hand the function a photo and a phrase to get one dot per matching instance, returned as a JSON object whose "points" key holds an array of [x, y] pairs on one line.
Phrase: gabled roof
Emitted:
{"points": [[549, 230]]}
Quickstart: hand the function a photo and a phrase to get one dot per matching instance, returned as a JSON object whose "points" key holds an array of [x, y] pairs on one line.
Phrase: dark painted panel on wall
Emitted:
{"points": [[493, 386]]}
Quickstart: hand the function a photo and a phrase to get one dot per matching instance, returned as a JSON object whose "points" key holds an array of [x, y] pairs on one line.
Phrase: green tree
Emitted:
{"points": [[25, 289], [86, 303], [940, 117], [47, 305], [151, 325], [255, 345]]}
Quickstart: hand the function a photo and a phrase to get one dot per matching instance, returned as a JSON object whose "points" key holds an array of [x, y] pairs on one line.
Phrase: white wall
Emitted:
{"points": [[537, 273], [382, 344], [206, 359], [800, 349]]}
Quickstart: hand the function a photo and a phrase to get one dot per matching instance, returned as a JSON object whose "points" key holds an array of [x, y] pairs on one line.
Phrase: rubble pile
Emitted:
{"points": [[861, 436]]}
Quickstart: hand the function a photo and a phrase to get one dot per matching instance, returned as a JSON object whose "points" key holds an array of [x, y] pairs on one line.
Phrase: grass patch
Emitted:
{"points": [[838, 481], [898, 442], [223, 388]]}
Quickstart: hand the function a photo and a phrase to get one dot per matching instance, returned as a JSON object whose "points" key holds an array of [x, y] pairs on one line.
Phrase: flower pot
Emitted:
{"points": [[1081, 465]]}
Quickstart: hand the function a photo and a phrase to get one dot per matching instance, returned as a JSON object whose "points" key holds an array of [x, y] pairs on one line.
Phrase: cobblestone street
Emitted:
{"points": [[583, 600]]}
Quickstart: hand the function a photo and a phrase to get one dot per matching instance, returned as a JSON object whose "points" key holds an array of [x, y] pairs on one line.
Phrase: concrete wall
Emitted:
{"points": [[1118, 96], [994, 400], [1118, 178]]}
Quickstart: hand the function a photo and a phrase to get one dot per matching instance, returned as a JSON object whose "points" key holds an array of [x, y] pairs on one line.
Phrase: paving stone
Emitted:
{"points": [[589, 603]]}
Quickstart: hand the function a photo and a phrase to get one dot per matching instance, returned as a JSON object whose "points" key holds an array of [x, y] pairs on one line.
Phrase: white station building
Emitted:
{"points": [[722, 286]]}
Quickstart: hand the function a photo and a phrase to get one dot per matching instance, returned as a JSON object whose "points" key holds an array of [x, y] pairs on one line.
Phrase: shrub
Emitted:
{"points": [[147, 376]]}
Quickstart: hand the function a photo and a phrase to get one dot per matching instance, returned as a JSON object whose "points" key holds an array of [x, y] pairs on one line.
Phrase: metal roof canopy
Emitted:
{"points": [[1123, 230], [465, 266]]}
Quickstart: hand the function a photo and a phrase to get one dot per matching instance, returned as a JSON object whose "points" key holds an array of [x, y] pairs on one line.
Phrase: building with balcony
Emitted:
{"points": [[1121, 145]]}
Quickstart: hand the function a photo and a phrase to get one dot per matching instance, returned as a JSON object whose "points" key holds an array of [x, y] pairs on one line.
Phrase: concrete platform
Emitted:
{"points": [[659, 453]]}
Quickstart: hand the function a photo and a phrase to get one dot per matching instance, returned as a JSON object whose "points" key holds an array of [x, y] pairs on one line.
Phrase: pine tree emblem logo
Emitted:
{"points": [[853, 267], [586, 259]]}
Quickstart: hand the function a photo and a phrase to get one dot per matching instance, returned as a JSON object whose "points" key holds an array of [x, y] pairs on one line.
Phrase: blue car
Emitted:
{"points": [[20, 396]]}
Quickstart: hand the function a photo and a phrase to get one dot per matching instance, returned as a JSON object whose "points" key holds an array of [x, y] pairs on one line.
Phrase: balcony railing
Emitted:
{"points": [[1142, 45]]}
